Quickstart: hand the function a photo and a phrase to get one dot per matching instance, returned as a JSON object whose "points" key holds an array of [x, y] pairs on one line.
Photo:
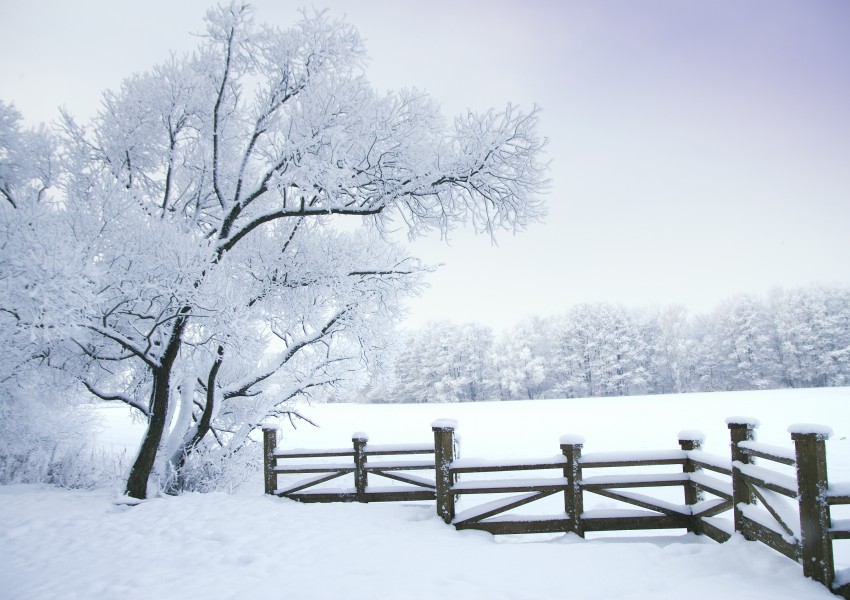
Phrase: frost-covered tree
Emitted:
{"points": [[744, 355], [475, 373], [599, 352], [797, 338], [446, 362], [39, 425], [200, 267], [666, 339], [25, 176], [812, 336], [522, 357]]}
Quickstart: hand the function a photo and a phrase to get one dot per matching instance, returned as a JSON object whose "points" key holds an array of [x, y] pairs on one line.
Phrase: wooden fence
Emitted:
{"points": [[787, 511], [359, 465]]}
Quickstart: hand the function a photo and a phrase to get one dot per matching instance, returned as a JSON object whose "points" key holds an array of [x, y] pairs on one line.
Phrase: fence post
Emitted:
{"points": [[571, 446], [688, 441], [812, 485], [740, 430], [359, 440], [269, 444], [444, 455]]}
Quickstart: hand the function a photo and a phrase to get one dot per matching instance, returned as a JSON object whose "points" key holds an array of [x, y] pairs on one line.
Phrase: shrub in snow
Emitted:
{"points": [[45, 439], [215, 469]]}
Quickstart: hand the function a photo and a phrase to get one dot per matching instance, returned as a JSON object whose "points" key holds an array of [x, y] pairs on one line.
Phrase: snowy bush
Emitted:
{"points": [[216, 469], [46, 439]]}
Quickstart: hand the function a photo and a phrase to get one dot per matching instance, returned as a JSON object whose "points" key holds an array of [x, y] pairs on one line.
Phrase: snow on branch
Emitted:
{"points": [[125, 343], [243, 388], [116, 397]]}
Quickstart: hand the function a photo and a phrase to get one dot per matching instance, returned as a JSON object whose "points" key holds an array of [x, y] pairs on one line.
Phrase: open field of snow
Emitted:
{"points": [[505, 429], [75, 544]]}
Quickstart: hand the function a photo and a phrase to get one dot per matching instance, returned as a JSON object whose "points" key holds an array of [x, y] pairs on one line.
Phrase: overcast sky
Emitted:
{"points": [[699, 149]]}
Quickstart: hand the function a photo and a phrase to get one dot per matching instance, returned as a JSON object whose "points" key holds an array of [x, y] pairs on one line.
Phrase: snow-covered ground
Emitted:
{"points": [[75, 544]]}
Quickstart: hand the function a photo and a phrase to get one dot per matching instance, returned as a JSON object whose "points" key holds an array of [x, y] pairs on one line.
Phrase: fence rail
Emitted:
{"points": [[309, 490], [789, 513]]}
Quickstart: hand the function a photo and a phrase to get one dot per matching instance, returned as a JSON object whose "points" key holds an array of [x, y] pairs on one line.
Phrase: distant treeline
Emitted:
{"points": [[797, 338]]}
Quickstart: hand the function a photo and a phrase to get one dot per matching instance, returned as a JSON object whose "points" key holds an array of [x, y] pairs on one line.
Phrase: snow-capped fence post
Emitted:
{"points": [[688, 441], [269, 444], [812, 486], [359, 440], [444, 450], [740, 430], [571, 446]]}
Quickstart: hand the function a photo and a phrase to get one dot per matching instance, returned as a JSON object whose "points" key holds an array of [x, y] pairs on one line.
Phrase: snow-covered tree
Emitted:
{"points": [[202, 265], [797, 338], [812, 336], [744, 354], [38, 420], [475, 378], [599, 352], [446, 362], [522, 358], [667, 342]]}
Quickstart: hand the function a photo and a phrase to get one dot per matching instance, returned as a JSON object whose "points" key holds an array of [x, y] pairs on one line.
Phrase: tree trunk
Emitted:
{"points": [[137, 482], [203, 426], [209, 408]]}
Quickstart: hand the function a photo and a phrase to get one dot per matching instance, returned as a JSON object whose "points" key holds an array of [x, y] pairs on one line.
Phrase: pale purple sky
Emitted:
{"points": [[699, 149]]}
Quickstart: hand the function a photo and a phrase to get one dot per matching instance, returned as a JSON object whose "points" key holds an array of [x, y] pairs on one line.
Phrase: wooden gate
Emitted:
{"points": [[644, 511], [490, 516], [790, 512], [355, 463]]}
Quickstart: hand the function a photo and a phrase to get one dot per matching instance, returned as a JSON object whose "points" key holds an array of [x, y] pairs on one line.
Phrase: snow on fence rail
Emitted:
{"points": [[309, 490], [789, 513]]}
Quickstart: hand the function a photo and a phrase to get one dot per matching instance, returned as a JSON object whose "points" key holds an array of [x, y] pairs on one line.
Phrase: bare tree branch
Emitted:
{"points": [[115, 397]]}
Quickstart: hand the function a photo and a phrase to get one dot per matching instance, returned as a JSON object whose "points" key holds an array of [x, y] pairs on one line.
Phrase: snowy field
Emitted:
{"points": [[76, 544]]}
